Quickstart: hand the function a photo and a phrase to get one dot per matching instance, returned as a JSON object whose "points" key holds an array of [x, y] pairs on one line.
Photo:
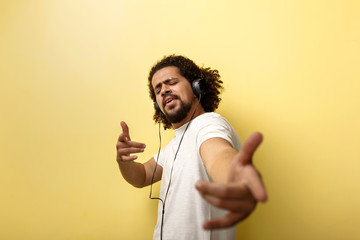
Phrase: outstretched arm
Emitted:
{"points": [[137, 174], [237, 185]]}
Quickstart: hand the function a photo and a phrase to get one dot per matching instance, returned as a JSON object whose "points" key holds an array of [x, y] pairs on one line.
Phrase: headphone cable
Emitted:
{"points": [[172, 167]]}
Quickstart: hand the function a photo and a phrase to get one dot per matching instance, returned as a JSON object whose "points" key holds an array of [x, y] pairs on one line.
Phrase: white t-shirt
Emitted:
{"points": [[185, 209]]}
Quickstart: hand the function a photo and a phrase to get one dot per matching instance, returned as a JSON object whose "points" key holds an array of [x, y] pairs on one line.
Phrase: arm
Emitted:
{"points": [[137, 174], [237, 184], [217, 155]]}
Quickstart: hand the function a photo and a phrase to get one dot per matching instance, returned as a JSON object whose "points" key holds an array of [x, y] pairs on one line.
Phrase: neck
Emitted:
{"points": [[199, 110]]}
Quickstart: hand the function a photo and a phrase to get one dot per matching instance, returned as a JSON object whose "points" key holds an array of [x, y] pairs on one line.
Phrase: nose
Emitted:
{"points": [[165, 90]]}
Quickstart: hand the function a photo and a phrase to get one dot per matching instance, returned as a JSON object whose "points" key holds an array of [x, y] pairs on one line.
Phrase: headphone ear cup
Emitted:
{"points": [[196, 87], [157, 108]]}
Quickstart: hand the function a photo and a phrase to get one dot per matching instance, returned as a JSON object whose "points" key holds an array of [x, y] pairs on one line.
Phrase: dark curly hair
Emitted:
{"points": [[211, 85]]}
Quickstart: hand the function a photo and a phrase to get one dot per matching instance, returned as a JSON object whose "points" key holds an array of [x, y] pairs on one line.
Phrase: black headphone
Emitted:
{"points": [[195, 85]]}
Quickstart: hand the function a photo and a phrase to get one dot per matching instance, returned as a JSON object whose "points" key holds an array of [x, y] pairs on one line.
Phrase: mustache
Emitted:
{"points": [[168, 95]]}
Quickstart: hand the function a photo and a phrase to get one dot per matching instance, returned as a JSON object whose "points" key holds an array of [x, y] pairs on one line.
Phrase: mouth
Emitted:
{"points": [[168, 100]]}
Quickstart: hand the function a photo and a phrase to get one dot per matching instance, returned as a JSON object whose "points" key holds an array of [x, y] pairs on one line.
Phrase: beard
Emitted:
{"points": [[180, 114]]}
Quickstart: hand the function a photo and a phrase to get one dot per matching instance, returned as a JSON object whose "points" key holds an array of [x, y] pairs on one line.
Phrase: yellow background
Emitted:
{"points": [[70, 71]]}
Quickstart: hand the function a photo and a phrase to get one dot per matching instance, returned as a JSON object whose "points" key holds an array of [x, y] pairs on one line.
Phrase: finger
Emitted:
{"points": [[249, 147], [227, 221], [128, 158], [125, 129], [234, 205], [122, 144], [122, 138], [256, 186], [225, 191], [130, 150]]}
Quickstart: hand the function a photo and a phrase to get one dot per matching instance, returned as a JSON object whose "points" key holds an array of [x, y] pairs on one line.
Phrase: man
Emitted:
{"points": [[208, 184]]}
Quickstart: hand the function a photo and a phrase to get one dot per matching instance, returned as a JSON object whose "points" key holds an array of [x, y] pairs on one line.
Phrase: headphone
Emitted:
{"points": [[195, 85]]}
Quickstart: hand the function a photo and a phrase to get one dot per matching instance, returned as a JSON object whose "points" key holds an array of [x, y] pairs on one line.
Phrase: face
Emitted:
{"points": [[173, 93]]}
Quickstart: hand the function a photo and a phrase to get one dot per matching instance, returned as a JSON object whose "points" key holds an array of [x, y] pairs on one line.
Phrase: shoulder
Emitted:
{"points": [[213, 125], [211, 119]]}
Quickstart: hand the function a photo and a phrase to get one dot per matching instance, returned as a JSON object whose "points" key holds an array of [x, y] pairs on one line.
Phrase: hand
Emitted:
{"points": [[243, 190], [125, 146]]}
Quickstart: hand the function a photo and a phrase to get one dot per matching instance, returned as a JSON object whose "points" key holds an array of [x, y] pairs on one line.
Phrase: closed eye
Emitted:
{"points": [[171, 82]]}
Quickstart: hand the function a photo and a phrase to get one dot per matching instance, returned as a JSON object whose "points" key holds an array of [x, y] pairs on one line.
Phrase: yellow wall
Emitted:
{"points": [[70, 71]]}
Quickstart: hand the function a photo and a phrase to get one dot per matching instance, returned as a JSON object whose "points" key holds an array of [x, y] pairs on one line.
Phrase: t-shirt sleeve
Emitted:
{"points": [[215, 128], [159, 157]]}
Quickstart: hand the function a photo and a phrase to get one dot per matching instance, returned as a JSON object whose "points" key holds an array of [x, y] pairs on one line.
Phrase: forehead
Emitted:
{"points": [[165, 74]]}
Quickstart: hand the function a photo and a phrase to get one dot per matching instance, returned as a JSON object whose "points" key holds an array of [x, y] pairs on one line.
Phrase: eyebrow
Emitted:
{"points": [[165, 81]]}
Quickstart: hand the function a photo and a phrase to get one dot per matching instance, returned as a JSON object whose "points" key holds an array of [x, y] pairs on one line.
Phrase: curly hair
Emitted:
{"points": [[211, 85]]}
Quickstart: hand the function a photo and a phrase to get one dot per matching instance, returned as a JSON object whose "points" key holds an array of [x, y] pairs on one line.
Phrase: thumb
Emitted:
{"points": [[250, 145], [125, 129]]}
